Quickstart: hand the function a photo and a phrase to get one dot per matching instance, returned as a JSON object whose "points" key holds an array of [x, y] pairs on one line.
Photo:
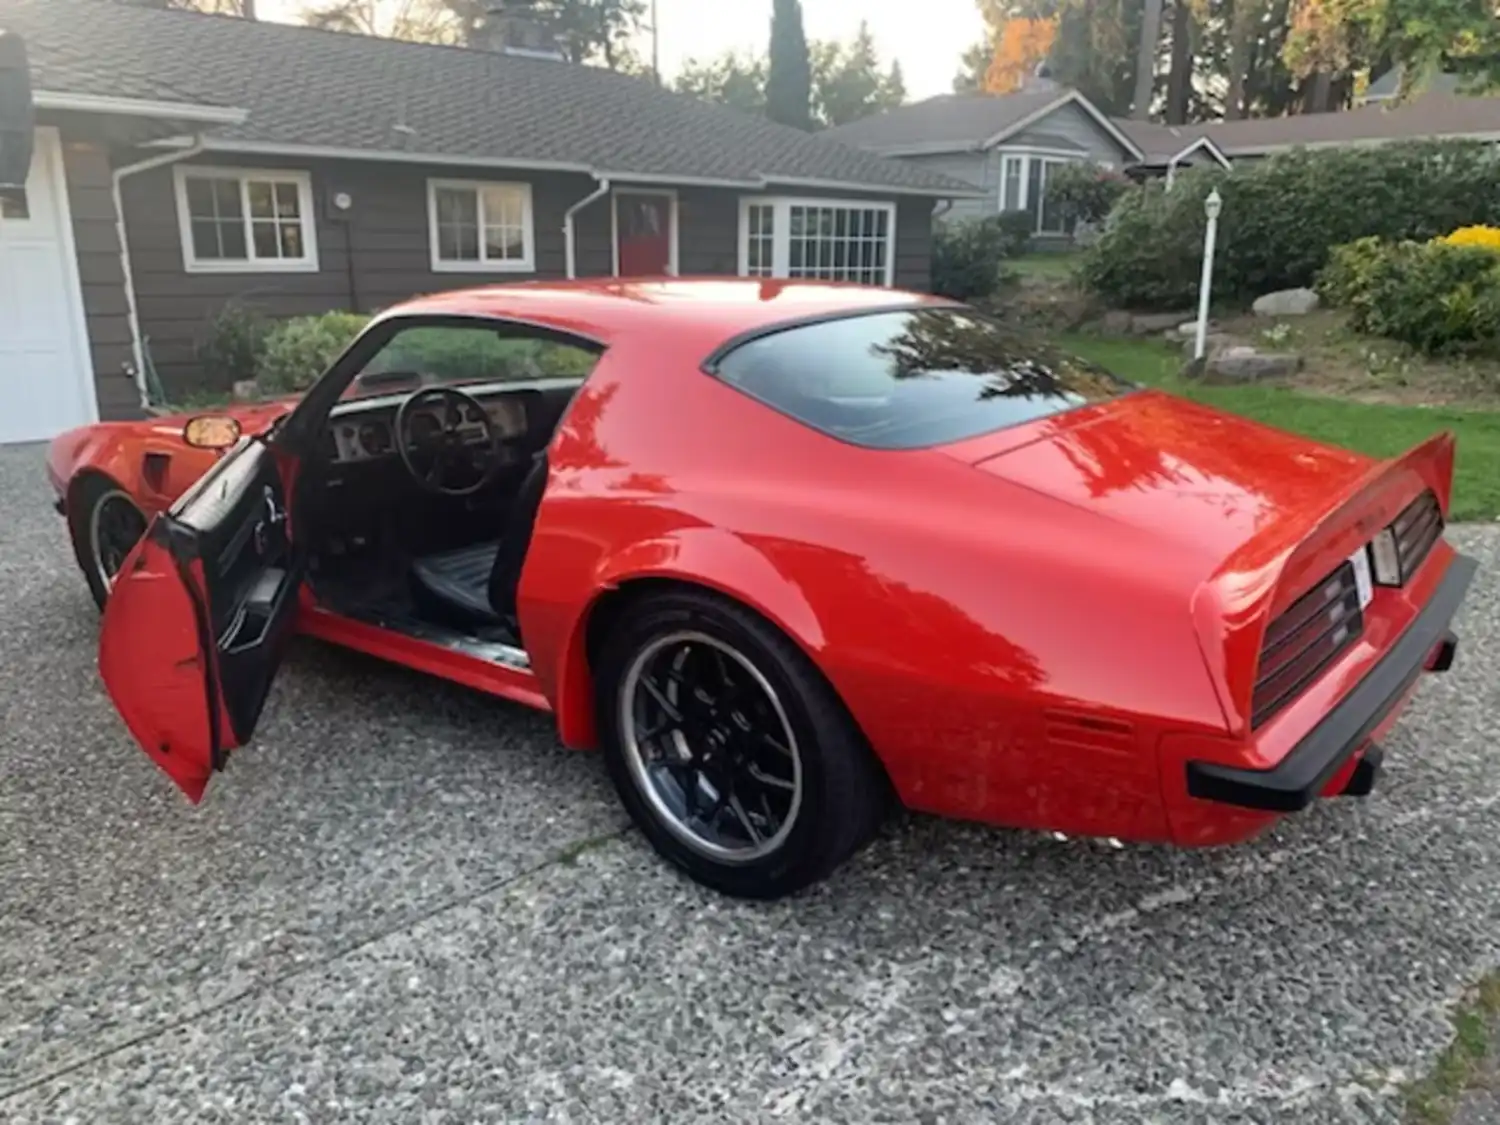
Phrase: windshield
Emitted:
{"points": [[451, 355], [912, 378]]}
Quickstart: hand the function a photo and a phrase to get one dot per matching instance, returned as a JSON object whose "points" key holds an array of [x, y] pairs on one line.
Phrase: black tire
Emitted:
{"points": [[845, 793], [84, 499]]}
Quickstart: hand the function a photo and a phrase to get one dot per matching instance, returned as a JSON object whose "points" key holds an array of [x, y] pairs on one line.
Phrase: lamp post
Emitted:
{"points": [[1211, 207]]}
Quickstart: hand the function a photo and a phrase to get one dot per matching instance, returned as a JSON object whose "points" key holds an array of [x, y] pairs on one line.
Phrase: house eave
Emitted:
{"points": [[1490, 137], [449, 160], [186, 112]]}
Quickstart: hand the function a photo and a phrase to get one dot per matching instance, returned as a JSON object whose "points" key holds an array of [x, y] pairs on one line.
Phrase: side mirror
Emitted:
{"points": [[17, 116], [211, 431]]}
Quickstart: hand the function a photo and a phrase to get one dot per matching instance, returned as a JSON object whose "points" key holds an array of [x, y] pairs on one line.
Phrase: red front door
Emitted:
{"points": [[643, 233]]}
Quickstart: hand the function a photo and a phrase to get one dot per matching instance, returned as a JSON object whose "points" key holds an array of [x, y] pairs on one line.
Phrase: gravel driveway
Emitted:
{"points": [[406, 903]]}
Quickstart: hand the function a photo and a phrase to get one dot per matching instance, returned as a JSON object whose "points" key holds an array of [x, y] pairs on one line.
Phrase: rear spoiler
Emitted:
{"points": [[1233, 609]]}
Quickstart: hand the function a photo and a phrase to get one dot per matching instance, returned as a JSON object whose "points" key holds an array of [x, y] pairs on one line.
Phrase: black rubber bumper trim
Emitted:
{"points": [[1297, 780]]}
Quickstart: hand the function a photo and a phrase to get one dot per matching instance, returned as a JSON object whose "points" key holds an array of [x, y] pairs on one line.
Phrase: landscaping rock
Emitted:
{"points": [[1117, 321], [246, 390], [1244, 364], [1286, 302], [1144, 324], [1213, 343]]}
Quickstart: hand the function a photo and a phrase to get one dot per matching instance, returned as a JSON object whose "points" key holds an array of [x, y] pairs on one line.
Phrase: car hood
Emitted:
{"points": [[1206, 481]]}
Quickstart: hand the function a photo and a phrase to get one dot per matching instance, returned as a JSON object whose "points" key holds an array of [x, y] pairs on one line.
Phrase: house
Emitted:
{"points": [[1007, 146], [183, 160]]}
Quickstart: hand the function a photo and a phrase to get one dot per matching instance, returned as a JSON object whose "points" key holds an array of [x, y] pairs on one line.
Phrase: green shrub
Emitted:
{"points": [[1085, 192], [299, 350], [1016, 230], [1439, 298], [968, 257], [1282, 216], [1150, 253], [1349, 270], [457, 355], [230, 349]]}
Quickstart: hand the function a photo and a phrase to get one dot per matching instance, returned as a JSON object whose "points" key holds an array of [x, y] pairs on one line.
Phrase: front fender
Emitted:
{"points": [[707, 557]]}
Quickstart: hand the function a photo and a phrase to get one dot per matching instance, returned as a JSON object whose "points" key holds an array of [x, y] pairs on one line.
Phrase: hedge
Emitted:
{"points": [[1282, 215]]}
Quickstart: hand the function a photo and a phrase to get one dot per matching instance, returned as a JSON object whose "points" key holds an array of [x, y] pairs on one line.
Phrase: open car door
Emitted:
{"points": [[194, 625]]}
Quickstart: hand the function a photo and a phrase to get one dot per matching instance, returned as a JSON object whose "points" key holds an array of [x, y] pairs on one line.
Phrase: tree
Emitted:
{"points": [[732, 79], [789, 72], [419, 21], [1343, 37], [1180, 62], [245, 9], [847, 82], [972, 65], [587, 31], [1145, 61], [1021, 45]]}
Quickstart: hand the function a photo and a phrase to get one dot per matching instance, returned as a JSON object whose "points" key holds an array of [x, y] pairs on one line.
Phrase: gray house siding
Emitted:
{"points": [[982, 169], [378, 253], [101, 277], [1077, 129]]}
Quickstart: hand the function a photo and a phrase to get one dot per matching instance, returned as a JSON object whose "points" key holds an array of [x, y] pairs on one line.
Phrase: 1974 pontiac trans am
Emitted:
{"points": [[786, 553]]}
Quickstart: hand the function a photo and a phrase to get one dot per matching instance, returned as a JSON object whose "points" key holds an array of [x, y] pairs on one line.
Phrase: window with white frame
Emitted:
{"points": [[237, 220], [480, 227], [1023, 187], [824, 239]]}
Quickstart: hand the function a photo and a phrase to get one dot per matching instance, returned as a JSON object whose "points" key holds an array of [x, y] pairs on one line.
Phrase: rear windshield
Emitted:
{"points": [[912, 378]]}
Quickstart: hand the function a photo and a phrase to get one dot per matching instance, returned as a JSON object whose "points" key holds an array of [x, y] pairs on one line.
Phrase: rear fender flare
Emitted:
{"points": [[708, 558]]}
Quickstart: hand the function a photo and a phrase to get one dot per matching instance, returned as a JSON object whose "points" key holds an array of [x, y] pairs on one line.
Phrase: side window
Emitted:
{"points": [[448, 354]]}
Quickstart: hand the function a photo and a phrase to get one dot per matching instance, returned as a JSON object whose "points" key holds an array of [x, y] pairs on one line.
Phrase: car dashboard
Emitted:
{"points": [[360, 435]]}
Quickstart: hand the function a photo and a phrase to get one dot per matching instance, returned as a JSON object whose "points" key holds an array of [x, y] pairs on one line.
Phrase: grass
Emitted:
{"points": [[1057, 264], [1432, 1100], [1377, 429]]}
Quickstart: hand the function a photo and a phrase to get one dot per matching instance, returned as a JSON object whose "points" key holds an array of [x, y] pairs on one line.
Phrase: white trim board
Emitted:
{"points": [[448, 160]]}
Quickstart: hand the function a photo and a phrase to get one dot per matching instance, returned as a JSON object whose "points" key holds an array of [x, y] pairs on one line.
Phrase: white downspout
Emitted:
{"points": [[137, 347], [570, 235]]}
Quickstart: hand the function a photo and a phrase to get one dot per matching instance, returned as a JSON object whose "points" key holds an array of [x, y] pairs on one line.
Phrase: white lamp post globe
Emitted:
{"points": [[1213, 204]]}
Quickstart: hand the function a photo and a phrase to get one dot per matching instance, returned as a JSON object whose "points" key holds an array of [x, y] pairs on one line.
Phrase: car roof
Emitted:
{"points": [[712, 309]]}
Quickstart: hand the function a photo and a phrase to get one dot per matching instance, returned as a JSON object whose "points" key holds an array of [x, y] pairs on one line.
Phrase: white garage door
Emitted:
{"points": [[45, 383]]}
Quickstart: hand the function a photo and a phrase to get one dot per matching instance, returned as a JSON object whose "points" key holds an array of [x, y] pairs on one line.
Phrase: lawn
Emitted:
{"points": [[1057, 264], [1377, 429]]}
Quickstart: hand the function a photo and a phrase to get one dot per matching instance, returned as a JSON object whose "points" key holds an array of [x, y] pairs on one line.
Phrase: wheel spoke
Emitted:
{"points": [[744, 818], [761, 777], [661, 699]]}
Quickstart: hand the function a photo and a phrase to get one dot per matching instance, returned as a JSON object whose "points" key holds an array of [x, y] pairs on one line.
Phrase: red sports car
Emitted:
{"points": [[785, 552]]}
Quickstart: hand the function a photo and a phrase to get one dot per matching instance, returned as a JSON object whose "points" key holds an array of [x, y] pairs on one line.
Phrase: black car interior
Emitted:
{"points": [[428, 487]]}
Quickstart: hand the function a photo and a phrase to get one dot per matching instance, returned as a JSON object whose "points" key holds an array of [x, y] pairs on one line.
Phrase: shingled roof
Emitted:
{"points": [[355, 95]]}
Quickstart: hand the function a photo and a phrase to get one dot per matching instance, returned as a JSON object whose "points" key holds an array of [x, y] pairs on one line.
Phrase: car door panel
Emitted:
{"points": [[194, 625]]}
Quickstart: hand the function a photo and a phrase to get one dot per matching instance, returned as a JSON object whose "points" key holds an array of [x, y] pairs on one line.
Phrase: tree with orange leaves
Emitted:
{"points": [[1021, 44]]}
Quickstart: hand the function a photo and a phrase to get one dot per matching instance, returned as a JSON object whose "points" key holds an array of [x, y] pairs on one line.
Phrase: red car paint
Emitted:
{"points": [[1037, 628]]}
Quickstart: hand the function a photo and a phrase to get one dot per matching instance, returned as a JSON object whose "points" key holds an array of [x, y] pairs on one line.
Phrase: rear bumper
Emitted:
{"points": [[1299, 778]]}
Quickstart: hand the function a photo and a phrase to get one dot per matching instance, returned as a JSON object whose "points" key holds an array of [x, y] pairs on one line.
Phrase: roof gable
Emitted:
{"points": [[310, 89], [957, 122]]}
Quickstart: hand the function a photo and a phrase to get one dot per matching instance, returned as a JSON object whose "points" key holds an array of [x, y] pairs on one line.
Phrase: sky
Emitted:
{"points": [[927, 36]]}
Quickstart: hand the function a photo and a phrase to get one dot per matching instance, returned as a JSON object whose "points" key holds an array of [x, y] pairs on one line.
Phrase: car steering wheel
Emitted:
{"points": [[441, 455]]}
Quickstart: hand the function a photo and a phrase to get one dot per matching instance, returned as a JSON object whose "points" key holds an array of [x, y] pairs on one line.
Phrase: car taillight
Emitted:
{"points": [[1399, 550]]}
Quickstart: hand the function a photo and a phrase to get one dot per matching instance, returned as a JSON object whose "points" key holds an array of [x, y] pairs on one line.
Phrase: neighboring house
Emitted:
{"points": [[1009, 145], [183, 160], [1006, 146]]}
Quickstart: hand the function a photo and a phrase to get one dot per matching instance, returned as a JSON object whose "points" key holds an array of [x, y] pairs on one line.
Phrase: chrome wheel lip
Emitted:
{"points": [[647, 785], [101, 570]]}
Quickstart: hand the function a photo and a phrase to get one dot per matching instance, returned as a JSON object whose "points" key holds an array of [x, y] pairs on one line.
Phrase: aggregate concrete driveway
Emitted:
{"points": [[408, 904]]}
